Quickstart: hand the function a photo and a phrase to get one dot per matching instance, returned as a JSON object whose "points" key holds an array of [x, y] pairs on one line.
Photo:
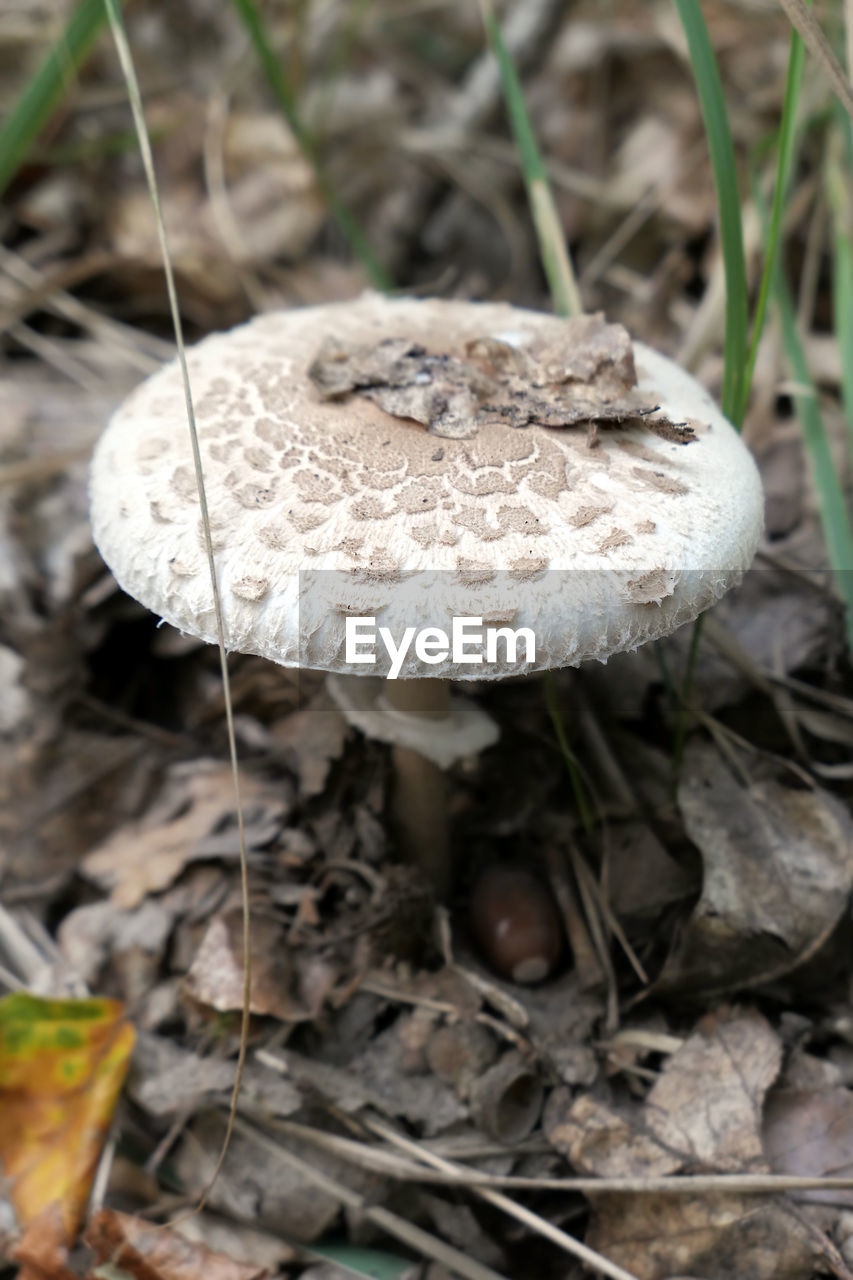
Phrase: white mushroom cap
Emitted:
{"points": [[323, 509]]}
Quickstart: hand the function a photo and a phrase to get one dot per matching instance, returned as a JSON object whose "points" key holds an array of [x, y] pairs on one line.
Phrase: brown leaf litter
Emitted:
{"points": [[167, 1080], [258, 1187], [586, 377], [187, 823], [808, 1132], [146, 1252], [778, 875], [739, 882], [312, 738], [704, 1113], [283, 984]]}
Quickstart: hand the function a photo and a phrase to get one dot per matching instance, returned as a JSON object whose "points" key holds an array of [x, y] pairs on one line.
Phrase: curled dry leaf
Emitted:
{"points": [[239, 1241], [587, 378], [147, 1252], [778, 870], [41, 1252]]}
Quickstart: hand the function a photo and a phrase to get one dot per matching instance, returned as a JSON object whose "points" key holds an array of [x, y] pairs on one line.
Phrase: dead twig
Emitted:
{"points": [[811, 33], [422, 1241], [445, 1172], [595, 1261]]}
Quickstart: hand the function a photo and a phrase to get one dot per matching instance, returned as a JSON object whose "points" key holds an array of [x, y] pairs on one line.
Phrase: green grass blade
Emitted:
{"points": [[720, 144], [839, 185], [374, 1264], [348, 224], [47, 85], [555, 711], [552, 243], [834, 516], [843, 306], [784, 163]]}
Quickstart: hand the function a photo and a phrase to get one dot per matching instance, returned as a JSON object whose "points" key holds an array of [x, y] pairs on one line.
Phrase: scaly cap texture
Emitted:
{"points": [[322, 509]]}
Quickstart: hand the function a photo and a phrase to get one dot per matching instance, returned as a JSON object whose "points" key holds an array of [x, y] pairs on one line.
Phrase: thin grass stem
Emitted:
{"points": [[723, 164], [555, 711], [135, 99], [834, 516], [784, 164], [553, 250], [839, 186]]}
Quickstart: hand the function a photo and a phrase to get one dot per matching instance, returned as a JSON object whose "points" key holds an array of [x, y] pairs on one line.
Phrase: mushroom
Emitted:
{"points": [[386, 459]]}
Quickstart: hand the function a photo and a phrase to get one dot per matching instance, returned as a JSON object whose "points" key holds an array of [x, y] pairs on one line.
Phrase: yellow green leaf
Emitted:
{"points": [[62, 1065]]}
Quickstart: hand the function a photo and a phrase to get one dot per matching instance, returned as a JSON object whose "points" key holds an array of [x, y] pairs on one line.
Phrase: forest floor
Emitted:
{"points": [[700, 1019]]}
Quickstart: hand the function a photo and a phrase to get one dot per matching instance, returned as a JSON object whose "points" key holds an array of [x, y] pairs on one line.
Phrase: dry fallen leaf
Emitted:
{"points": [[256, 1186], [260, 203], [186, 823], [706, 1105], [586, 378], [167, 1080], [287, 983], [312, 739], [703, 1114], [810, 1134], [41, 1252], [15, 701], [645, 878], [778, 870], [717, 1237], [216, 976], [62, 1065], [604, 1141], [147, 1252], [132, 943]]}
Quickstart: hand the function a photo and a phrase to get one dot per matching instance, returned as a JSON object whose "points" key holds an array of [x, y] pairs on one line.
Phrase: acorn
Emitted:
{"points": [[515, 923]]}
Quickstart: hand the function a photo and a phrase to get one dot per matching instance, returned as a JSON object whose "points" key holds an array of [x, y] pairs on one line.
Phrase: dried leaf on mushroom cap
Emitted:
{"points": [[588, 376]]}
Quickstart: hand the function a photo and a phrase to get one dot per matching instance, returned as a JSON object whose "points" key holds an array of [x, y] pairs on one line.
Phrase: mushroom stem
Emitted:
{"points": [[420, 790]]}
